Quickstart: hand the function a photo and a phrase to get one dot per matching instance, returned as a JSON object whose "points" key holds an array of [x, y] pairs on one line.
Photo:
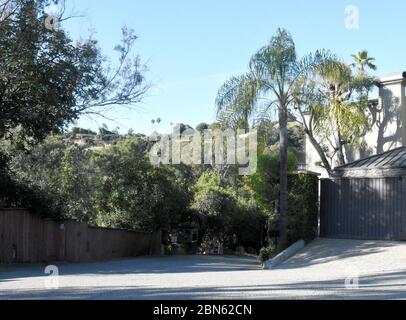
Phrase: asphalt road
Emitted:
{"points": [[320, 271]]}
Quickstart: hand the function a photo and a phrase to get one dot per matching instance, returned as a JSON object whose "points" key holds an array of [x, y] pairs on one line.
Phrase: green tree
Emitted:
{"points": [[112, 187], [265, 182], [332, 105], [274, 72], [74, 185], [47, 80], [59, 171], [268, 135], [133, 194], [363, 61], [228, 213]]}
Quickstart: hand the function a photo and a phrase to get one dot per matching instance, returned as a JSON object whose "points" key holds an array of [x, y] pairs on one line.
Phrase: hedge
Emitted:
{"points": [[303, 209]]}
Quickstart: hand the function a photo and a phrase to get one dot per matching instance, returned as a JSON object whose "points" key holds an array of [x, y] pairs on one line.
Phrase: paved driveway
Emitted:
{"points": [[317, 272]]}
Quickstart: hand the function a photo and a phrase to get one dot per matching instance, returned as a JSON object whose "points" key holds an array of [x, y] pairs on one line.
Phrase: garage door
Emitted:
{"points": [[363, 208]]}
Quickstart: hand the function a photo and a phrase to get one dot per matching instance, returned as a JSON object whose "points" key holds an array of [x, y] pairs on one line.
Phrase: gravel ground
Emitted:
{"points": [[318, 272]]}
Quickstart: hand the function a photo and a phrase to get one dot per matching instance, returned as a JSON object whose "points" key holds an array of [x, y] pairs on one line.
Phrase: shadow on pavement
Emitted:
{"points": [[388, 286], [150, 265]]}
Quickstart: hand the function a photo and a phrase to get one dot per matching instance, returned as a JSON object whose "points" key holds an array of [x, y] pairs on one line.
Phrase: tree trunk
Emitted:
{"points": [[316, 145], [320, 152], [340, 151], [283, 179]]}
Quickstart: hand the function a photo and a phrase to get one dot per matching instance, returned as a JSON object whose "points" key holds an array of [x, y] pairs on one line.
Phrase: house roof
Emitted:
{"points": [[393, 159]]}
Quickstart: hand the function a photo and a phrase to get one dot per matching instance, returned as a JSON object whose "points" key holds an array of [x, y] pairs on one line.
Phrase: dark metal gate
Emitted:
{"points": [[363, 208]]}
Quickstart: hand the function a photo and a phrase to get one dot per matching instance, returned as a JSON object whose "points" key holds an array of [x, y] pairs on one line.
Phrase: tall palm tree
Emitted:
{"points": [[362, 61], [270, 82]]}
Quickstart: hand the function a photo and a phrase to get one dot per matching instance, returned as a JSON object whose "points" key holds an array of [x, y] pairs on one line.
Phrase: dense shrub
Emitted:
{"points": [[114, 187], [17, 195], [131, 193], [58, 173], [265, 182], [228, 213], [266, 253], [303, 207]]}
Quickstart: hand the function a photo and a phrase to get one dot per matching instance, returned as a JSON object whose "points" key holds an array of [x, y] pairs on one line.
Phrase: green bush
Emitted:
{"points": [[16, 195], [265, 182], [266, 253], [303, 207], [110, 187], [228, 213], [132, 193]]}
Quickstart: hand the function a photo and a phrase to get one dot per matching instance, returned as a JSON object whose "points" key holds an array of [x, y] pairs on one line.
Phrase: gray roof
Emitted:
{"points": [[392, 159]]}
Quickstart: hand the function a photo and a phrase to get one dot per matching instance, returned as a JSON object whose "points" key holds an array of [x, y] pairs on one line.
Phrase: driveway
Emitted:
{"points": [[319, 271]]}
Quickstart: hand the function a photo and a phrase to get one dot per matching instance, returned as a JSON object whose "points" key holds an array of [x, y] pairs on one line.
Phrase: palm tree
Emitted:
{"points": [[337, 110], [270, 83], [362, 60], [331, 107]]}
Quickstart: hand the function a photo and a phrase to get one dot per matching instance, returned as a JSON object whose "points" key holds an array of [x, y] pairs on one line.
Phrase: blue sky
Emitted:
{"points": [[192, 47]]}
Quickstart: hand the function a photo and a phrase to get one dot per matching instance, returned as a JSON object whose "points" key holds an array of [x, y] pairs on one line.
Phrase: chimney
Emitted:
{"points": [[392, 96]]}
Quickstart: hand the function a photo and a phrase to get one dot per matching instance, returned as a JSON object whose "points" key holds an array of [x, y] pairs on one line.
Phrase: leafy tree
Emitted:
{"points": [[37, 166], [274, 73], [112, 187], [332, 105], [265, 182], [228, 213], [58, 171], [133, 194], [47, 81], [268, 135], [208, 190], [74, 185]]}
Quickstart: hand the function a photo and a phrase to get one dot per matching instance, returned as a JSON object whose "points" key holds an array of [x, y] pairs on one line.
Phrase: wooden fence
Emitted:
{"points": [[27, 238]]}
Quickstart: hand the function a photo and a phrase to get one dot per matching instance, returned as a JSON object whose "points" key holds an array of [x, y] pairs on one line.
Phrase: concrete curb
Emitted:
{"points": [[284, 255]]}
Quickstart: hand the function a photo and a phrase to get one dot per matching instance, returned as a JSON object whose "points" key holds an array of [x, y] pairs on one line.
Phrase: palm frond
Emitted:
{"points": [[236, 100]]}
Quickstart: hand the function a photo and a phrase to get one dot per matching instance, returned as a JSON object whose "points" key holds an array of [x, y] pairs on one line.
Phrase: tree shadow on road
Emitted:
{"points": [[144, 265], [380, 286]]}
